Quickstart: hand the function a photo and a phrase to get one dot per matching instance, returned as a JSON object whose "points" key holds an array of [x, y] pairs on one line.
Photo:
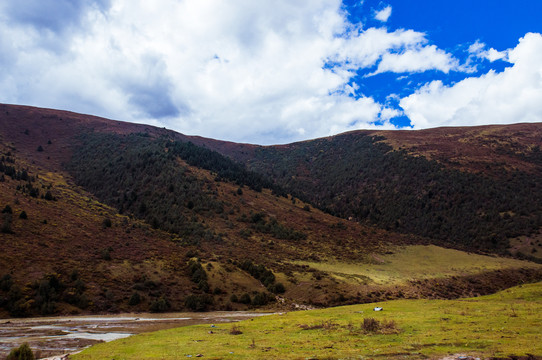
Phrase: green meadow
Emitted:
{"points": [[416, 262], [504, 324]]}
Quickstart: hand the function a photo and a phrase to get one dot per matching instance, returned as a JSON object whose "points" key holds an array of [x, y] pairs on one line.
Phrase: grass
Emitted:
{"points": [[415, 262], [503, 324]]}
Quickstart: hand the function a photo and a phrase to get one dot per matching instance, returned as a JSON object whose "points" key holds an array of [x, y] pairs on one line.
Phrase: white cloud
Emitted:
{"points": [[224, 69], [418, 60], [478, 49], [384, 14], [511, 96]]}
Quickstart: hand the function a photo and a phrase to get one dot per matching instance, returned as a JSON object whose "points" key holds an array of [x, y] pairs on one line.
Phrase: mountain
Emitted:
{"points": [[101, 216], [472, 188]]}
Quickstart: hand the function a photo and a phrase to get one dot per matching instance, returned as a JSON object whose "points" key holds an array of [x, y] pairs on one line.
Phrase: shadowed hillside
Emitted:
{"points": [[472, 188]]}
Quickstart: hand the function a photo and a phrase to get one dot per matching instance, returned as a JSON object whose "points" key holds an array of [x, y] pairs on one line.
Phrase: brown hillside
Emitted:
{"points": [[69, 234], [478, 148], [73, 253]]}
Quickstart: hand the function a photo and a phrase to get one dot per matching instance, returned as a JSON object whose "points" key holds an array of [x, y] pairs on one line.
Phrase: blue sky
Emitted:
{"points": [[276, 71]]}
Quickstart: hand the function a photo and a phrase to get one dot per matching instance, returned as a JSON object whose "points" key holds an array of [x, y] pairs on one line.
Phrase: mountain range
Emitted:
{"points": [[105, 216]]}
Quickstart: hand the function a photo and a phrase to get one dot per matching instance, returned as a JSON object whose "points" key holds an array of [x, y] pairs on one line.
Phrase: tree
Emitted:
{"points": [[23, 352], [6, 225]]}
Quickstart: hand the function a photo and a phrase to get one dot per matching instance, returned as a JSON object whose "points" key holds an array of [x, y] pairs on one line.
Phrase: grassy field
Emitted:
{"points": [[503, 324], [414, 263]]}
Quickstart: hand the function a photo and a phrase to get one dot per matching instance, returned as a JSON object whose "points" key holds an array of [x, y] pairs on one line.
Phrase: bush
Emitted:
{"points": [[6, 225], [371, 325], [7, 210], [106, 223], [23, 352], [106, 254], [260, 299], [235, 330], [6, 282], [245, 299], [198, 302], [23, 215], [49, 196], [277, 288], [135, 299], [160, 305]]}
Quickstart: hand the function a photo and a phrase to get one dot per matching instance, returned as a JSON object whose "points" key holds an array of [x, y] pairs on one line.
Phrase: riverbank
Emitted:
{"points": [[54, 336]]}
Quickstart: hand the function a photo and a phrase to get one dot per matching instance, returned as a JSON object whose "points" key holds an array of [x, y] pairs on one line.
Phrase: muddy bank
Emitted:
{"points": [[58, 335]]}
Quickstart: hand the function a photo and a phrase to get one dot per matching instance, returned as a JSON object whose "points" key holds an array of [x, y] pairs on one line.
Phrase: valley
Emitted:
{"points": [[108, 217]]}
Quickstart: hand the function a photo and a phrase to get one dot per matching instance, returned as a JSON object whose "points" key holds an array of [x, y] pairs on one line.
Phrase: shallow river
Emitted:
{"points": [[59, 335]]}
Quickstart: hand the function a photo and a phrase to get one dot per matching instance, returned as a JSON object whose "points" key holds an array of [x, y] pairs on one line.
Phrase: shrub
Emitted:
{"points": [[245, 299], [277, 288], [260, 299], [106, 254], [40, 148], [234, 298], [83, 302], [23, 215], [135, 299], [6, 282], [198, 302], [371, 325], [160, 305], [203, 285], [23, 352], [235, 330], [49, 196], [7, 210], [106, 223], [6, 225]]}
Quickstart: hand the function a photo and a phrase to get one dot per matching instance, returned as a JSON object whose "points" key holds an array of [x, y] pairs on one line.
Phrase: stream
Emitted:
{"points": [[50, 336]]}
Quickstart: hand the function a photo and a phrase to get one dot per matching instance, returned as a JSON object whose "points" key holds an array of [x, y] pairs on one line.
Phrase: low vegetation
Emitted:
{"points": [[23, 352], [499, 325]]}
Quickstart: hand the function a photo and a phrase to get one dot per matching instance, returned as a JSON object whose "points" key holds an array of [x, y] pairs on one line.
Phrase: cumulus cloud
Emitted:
{"points": [[494, 98], [265, 71], [418, 60], [478, 49], [384, 14]]}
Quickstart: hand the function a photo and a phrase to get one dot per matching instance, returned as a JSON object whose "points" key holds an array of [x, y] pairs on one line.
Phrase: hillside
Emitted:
{"points": [[470, 188], [101, 216]]}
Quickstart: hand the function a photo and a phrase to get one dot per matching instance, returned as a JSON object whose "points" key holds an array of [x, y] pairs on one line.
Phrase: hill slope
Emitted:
{"points": [[471, 188], [127, 217]]}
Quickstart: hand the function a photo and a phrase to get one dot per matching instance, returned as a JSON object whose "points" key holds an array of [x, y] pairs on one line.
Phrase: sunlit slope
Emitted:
{"points": [[414, 263]]}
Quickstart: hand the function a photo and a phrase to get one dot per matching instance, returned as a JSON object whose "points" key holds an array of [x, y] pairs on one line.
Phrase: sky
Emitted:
{"points": [[272, 72]]}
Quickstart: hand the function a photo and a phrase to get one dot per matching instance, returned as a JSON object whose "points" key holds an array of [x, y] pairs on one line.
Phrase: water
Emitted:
{"points": [[59, 335]]}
